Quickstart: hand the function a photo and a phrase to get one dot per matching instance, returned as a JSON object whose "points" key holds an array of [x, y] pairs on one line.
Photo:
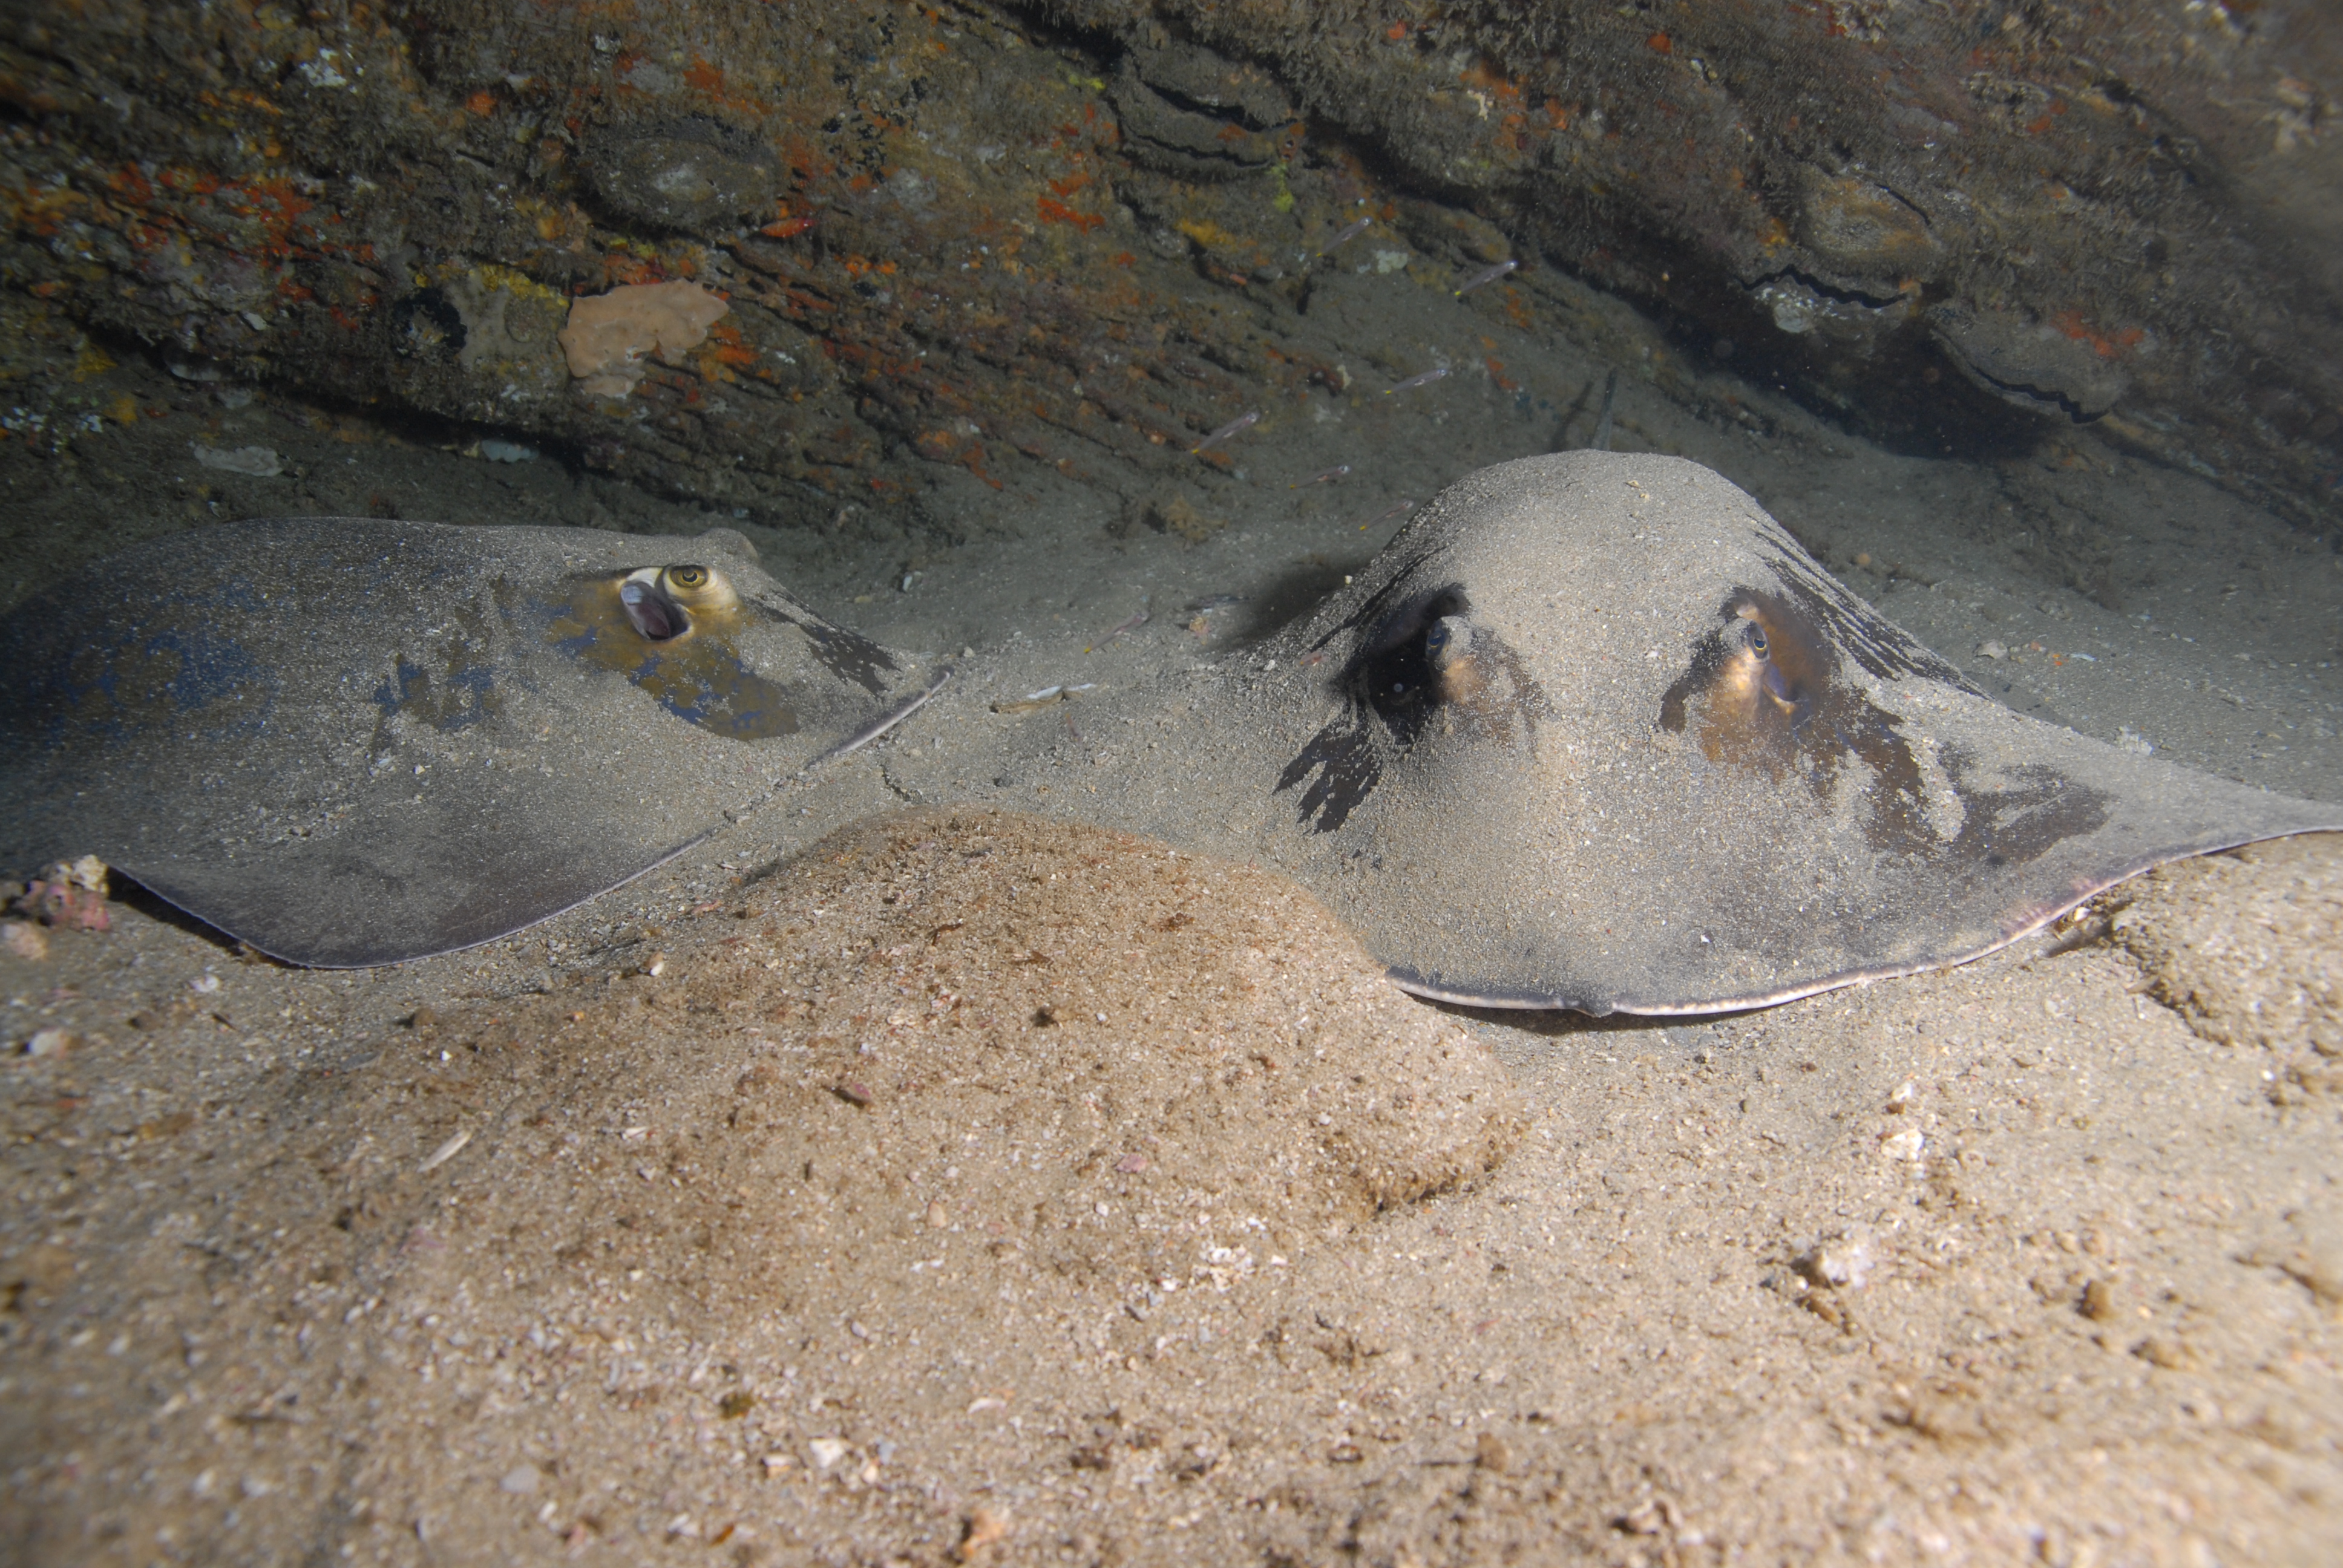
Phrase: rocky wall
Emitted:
{"points": [[794, 258]]}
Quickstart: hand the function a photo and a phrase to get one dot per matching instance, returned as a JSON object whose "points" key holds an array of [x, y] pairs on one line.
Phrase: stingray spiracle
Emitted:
{"points": [[661, 601]]}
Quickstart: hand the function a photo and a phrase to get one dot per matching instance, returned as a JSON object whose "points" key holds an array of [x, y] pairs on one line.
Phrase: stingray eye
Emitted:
{"points": [[1447, 641], [1755, 639], [702, 589], [1403, 662]]}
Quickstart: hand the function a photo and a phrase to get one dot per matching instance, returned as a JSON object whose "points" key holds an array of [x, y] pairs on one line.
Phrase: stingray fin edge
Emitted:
{"points": [[322, 953], [2033, 918]]}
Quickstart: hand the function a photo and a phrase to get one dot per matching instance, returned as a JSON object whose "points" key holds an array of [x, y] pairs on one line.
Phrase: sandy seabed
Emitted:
{"points": [[864, 1188], [968, 1188]]}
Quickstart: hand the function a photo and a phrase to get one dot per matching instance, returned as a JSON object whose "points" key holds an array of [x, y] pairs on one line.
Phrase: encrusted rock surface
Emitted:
{"points": [[1074, 235]]}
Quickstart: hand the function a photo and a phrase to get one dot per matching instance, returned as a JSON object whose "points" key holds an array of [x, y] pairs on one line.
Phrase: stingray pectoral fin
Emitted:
{"points": [[387, 900]]}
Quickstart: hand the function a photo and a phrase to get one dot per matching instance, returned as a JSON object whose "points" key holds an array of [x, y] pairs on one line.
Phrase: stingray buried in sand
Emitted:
{"points": [[349, 741], [1594, 732], [1591, 732]]}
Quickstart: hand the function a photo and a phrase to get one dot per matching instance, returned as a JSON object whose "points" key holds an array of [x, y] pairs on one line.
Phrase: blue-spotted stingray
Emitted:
{"points": [[349, 741]]}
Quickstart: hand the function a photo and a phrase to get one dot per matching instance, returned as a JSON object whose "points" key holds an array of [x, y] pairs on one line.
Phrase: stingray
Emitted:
{"points": [[1594, 732], [348, 741], [1591, 732]]}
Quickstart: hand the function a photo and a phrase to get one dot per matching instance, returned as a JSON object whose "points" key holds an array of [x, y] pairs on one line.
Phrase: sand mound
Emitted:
{"points": [[854, 1236], [948, 1108], [2248, 948]]}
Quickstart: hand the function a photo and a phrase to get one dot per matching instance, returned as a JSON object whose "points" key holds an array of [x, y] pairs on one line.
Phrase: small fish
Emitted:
{"points": [[1392, 512], [1486, 275], [1040, 699], [1212, 602], [1034, 701], [1602, 442], [1328, 478], [1421, 379], [1241, 422], [1346, 234], [1138, 620]]}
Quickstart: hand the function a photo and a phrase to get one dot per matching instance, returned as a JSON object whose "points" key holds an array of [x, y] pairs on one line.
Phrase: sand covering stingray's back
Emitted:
{"points": [[1594, 732]]}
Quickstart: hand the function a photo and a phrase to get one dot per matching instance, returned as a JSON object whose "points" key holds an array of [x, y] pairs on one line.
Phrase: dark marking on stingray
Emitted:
{"points": [[885, 721], [1872, 642], [2019, 823], [1374, 606], [465, 693], [848, 655], [467, 697], [138, 678], [1424, 663], [1762, 691], [1392, 672], [1343, 755]]}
